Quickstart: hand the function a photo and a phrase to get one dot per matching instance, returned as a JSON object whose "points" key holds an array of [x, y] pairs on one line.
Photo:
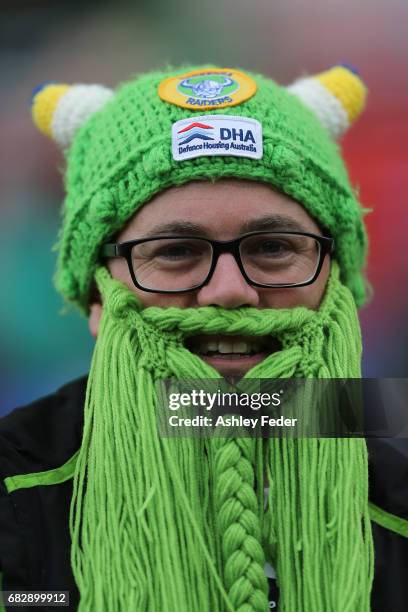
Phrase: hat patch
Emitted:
{"points": [[207, 89], [216, 135]]}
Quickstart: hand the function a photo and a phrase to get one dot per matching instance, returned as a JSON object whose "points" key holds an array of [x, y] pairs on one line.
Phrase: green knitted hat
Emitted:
{"points": [[123, 147]]}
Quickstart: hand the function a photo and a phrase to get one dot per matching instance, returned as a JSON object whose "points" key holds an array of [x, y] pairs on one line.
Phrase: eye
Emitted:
{"points": [[164, 251], [269, 247], [178, 251], [274, 247]]}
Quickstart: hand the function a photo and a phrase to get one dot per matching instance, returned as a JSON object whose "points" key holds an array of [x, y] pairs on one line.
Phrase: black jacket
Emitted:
{"points": [[34, 533]]}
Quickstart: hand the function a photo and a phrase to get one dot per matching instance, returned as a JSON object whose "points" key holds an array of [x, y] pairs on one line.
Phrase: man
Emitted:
{"points": [[209, 229]]}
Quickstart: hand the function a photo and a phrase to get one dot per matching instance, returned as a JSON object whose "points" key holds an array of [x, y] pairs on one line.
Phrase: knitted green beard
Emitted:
{"points": [[178, 524]]}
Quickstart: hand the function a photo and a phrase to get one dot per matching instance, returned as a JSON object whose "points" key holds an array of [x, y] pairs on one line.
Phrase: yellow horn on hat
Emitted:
{"points": [[337, 96], [59, 110]]}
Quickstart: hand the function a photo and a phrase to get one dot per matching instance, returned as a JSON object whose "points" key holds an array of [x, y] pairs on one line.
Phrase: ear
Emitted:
{"points": [[59, 110], [95, 314], [336, 96]]}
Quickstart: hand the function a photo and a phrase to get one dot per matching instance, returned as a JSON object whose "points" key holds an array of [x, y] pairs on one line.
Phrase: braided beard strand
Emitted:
{"points": [[178, 524]]}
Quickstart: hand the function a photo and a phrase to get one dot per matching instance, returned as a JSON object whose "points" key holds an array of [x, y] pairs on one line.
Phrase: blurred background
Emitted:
{"points": [[43, 345]]}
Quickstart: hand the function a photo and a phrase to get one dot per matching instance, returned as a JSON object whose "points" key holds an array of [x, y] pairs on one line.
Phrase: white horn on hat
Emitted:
{"points": [[59, 110], [337, 96]]}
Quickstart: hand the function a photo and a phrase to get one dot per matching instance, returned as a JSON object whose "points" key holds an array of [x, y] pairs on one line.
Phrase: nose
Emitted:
{"points": [[227, 287]]}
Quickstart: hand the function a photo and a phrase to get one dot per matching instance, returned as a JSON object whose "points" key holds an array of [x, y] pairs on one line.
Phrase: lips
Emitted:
{"points": [[232, 354]]}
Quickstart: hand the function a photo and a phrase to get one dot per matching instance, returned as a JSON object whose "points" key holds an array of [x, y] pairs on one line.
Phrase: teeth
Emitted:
{"points": [[240, 347], [227, 347]]}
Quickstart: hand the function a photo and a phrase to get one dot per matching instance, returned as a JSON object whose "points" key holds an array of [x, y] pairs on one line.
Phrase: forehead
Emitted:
{"points": [[221, 210]]}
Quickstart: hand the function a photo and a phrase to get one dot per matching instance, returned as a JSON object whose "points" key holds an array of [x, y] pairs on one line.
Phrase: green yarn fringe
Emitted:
{"points": [[178, 524]]}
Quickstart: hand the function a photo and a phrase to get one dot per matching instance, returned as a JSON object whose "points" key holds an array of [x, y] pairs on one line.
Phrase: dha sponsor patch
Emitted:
{"points": [[217, 135], [207, 89]]}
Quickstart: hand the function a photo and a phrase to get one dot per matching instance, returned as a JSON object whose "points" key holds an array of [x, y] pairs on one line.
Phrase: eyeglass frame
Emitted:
{"points": [[124, 249]]}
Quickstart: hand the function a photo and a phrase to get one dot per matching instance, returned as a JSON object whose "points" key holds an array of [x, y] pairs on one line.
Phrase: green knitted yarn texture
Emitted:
{"points": [[179, 524], [121, 157]]}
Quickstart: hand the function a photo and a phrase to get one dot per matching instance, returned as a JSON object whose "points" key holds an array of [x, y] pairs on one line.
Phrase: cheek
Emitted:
{"points": [[119, 270], [309, 296], [166, 301]]}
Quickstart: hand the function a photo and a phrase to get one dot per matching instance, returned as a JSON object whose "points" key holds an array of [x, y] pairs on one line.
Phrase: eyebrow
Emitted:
{"points": [[269, 222], [179, 227], [272, 222]]}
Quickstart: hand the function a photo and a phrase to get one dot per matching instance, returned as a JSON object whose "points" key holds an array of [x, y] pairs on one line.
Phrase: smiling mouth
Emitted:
{"points": [[232, 354]]}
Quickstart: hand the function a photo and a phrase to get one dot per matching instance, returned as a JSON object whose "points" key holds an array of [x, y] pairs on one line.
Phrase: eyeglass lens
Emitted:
{"points": [[171, 264]]}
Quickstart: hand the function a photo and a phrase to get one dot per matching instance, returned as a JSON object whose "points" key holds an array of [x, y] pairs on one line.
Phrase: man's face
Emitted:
{"points": [[222, 211]]}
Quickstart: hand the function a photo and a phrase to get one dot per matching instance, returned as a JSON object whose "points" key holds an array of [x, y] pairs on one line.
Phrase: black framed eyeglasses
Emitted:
{"points": [[177, 264]]}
